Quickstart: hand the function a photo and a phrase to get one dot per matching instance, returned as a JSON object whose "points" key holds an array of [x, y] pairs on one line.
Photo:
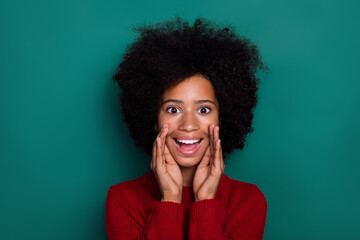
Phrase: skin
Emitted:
{"points": [[190, 109]]}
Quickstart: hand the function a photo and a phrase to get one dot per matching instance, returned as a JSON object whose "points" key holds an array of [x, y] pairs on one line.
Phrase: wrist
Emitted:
{"points": [[171, 199], [203, 198]]}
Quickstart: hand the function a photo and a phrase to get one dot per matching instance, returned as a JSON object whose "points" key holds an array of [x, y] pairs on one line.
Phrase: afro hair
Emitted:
{"points": [[166, 53]]}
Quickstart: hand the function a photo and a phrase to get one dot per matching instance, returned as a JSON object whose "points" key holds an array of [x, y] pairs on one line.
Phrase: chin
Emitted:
{"points": [[187, 162]]}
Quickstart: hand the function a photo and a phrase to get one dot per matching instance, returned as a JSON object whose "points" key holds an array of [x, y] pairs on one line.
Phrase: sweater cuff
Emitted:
{"points": [[204, 210], [168, 212]]}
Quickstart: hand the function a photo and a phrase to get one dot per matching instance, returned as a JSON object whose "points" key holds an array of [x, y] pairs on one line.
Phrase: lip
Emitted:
{"points": [[190, 152]]}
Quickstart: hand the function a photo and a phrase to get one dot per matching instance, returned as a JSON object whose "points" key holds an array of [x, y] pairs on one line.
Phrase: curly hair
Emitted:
{"points": [[167, 53]]}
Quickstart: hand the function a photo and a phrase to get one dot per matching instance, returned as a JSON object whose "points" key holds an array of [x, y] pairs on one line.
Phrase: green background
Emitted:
{"points": [[63, 142]]}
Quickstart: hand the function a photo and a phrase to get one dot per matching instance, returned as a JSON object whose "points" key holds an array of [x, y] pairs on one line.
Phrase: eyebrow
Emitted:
{"points": [[181, 102]]}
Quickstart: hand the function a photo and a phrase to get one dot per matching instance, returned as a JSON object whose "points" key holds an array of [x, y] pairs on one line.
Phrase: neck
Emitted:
{"points": [[188, 175]]}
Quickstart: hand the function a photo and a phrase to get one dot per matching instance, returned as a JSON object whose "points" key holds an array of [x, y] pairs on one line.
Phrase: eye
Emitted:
{"points": [[172, 110], [204, 110]]}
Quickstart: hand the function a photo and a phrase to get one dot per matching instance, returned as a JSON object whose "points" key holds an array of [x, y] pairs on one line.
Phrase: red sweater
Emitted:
{"points": [[134, 211]]}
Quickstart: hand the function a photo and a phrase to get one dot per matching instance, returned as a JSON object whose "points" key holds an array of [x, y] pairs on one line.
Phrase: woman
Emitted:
{"points": [[184, 87]]}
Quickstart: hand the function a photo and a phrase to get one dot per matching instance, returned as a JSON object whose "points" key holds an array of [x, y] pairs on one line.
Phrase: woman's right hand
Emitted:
{"points": [[166, 169]]}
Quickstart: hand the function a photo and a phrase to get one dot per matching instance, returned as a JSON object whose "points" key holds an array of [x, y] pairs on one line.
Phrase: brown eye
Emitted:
{"points": [[172, 110], [204, 110]]}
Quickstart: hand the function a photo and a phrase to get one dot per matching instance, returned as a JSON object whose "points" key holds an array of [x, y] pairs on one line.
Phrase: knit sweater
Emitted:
{"points": [[134, 211]]}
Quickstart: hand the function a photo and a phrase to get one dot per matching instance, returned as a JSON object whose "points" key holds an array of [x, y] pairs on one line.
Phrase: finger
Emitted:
{"points": [[222, 163], [153, 159], [216, 133], [213, 157], [167, 155], [161, 130], [216, 139], [206, 158], [155, 152], [213, 141], [163, 138], [217, 158], [210, 140], [159, 157], [161, 133], [213, 137]]}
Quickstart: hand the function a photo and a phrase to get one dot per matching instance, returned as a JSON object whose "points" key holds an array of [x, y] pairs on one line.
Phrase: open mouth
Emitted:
{"points": [[188, 146]]}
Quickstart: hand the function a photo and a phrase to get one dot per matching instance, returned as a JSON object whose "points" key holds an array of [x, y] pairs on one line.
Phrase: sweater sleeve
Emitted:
{"points": [[246, 223], [125, 221]]}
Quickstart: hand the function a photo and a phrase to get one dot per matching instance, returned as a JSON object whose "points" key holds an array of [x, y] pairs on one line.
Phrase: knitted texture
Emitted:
{"points": [[134, 211]]}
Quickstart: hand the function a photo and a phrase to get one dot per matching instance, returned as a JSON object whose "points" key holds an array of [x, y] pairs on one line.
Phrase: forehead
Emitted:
{"points": [[194, 87]]}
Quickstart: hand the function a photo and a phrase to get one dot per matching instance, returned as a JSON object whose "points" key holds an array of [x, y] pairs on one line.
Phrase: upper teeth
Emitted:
{"points": [[188, 141]]}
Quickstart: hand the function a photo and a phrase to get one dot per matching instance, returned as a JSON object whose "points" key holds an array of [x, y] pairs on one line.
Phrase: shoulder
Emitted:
{"points": [[135, 183], [245, 208], [240, 193], [138, 189]]}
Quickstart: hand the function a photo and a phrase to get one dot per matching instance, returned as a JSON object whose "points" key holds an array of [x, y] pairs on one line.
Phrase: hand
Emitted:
{"points": [[166, 170], [210, 169]]}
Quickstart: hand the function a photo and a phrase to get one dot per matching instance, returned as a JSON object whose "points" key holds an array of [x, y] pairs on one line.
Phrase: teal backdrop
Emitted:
{"points": [[63, 142]]}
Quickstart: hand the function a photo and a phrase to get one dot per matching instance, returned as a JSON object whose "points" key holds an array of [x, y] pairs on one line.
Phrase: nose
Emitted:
{"points": [[189, 123]]}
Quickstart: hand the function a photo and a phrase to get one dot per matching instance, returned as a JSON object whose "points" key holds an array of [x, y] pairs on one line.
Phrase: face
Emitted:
{"points": [[188, 109]]}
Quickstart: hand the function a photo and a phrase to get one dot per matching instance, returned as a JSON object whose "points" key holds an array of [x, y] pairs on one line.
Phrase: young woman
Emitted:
{"points": [[183, 88]]}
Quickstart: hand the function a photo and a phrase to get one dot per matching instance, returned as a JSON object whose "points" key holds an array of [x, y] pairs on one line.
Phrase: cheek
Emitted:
{"points": [[171, 123], [168, 142], [161, 121], [213, 120]]}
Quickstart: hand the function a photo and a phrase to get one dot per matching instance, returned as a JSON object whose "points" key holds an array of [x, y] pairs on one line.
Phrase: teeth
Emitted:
{"points": [[189, 141]]}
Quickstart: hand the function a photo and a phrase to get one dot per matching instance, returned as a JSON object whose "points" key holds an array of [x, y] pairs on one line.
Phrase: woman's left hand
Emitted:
{"points": [[210, 169]]}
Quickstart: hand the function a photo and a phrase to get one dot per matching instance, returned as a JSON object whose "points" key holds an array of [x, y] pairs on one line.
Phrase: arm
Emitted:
{"points": [[164, 220], [246, 223]]}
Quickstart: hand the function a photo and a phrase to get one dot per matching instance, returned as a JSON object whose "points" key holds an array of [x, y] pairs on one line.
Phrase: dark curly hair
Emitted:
{"points": [[166, 53]]}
